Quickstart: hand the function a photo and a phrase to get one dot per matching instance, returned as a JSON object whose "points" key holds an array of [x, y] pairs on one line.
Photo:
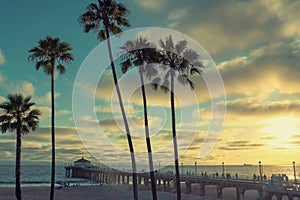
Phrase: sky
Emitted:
{"points": [[254, 44]]}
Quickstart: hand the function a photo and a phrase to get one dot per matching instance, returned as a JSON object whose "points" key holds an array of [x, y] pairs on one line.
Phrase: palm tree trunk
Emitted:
{"points": [[152, 176], [133, 163], [175, 138], [18, 165], [52, 135]]}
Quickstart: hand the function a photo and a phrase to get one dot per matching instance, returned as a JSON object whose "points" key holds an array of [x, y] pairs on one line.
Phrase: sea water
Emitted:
{"points": [[31, 175]]}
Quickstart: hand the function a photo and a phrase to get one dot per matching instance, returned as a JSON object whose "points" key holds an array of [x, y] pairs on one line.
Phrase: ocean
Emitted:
{"points": [[31, 175], [39, 175]]}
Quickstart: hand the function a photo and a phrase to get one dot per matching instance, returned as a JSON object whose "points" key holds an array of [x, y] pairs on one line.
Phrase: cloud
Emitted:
{"points": [[23, 87], [177, 14], [250, 107], [2, 59], [45, 112], [26, 88], [153, 5], [2, 99], [240, 145], [230, 26], [295, 137], [268, 138], [288, 12], [46, 99], [131, 92], [2, 78], [270, 68], [63, 112], [116, 125], [12, 87], [280, 149], [37, 145]]}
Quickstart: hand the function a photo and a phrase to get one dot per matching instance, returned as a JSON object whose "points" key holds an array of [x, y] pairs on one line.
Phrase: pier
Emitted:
{"points": [[164, 180]]}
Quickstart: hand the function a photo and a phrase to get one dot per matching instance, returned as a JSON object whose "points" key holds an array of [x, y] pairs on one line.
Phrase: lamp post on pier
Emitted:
{"points": [[195, 168], [182, 168], [260, 171], [295, 177], [223, 171]]}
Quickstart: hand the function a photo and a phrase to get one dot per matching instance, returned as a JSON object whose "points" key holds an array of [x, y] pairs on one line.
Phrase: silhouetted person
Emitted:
{"points": [[265, 177]]}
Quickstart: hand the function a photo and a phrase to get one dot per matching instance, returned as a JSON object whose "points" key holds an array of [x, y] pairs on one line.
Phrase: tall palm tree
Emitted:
{"points": [[20, 117], [105, 18], [142, 54], [50, 54], [181, 62]]}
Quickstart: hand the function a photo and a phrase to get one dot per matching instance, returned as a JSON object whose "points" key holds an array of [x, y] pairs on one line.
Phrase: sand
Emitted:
{"points": [[118, 192], [88, 193]]}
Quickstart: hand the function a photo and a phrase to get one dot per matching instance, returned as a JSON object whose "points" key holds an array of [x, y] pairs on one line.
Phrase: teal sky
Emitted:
{"points": [[255, 45]]}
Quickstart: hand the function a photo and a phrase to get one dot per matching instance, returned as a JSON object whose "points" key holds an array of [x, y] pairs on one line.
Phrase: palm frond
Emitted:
{"points": [[191, 55], [180, 46], [61, 68], [4, 127], [102, 35], [125, 65], [191, 84], [196, 70], [115, 30], [24, 129], [182, 79], [155, 83], [48, 69]]}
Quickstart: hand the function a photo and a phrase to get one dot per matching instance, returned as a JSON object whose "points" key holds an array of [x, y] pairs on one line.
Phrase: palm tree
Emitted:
{"points": [[105, 18], [50, 54], [181, 62], [140, 53], [18, 115]]}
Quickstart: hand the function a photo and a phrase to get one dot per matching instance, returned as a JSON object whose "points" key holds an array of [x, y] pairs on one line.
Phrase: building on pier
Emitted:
{"points": [[82, 163]]}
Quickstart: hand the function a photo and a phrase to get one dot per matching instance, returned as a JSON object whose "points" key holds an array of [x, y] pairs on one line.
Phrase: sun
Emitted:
{"points": [[282, 128]]}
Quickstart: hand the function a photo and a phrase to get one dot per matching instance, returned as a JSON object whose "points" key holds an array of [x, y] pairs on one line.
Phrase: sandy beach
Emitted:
{"points": [[88, 193], [116, 192]]}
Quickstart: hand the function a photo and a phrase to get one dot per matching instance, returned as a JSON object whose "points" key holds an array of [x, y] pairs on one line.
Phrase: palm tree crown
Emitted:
{"points": [[142, 54], [49, 51], [18, 113], [108, 15], [178, 58]]}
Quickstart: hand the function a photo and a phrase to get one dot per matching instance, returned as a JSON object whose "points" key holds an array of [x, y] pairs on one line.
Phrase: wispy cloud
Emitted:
{"points": [[256, 108], [2, 59], [46, 99], [177, 14], [154, 5], [241, 145]]}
